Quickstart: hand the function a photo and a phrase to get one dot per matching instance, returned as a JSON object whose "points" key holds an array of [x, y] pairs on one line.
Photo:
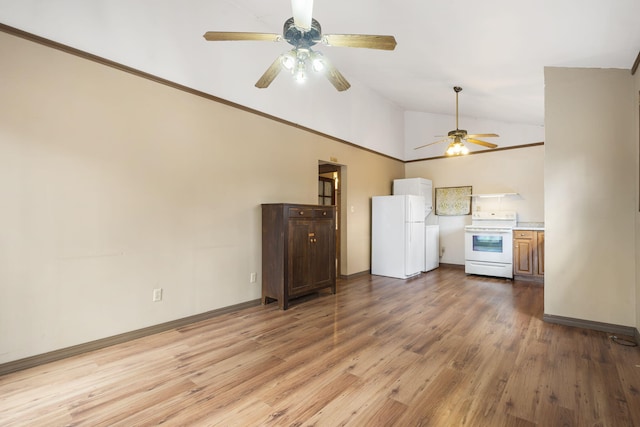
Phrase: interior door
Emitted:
{"points": [[326, 191], [333, 172]]}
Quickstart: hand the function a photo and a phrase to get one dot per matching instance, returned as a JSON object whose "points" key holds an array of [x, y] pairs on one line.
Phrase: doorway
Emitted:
{"points": [[330, 193]]}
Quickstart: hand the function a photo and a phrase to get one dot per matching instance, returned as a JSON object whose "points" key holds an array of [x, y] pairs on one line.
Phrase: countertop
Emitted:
{"points": [[538, 226]]}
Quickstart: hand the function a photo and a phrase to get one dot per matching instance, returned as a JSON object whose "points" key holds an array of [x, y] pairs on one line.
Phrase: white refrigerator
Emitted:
{"points": [[423, 187], [397, 236]]}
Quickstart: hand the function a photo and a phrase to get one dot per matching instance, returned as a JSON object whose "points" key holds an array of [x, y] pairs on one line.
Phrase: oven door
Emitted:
{"points": [[488, 244]]}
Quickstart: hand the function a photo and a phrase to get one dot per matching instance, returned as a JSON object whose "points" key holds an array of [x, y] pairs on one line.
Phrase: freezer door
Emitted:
{"points": [[414, 208]]}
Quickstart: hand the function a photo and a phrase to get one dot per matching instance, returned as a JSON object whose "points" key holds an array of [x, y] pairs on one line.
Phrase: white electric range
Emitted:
{"points": [[488, 243]]}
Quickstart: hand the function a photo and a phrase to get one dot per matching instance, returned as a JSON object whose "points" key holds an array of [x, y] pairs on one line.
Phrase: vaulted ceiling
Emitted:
{"points": [[495, 49]]}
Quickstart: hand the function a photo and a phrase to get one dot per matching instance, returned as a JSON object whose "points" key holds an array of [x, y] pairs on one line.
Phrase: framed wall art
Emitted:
{"points": [[453, 201]]}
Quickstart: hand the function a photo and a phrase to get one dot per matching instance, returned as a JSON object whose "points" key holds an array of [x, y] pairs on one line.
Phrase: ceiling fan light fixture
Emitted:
{"points": [[288, 61], [317, 62], [301, 71], [301, 76], [457, 148], [298, 60]]}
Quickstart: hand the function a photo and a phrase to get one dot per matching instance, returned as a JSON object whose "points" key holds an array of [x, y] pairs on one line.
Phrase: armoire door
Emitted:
{"points": [[299, 255], [323, 263]]}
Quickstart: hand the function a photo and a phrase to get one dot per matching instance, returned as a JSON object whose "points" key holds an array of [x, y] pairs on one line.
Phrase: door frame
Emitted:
{"points": [[330, 168]]}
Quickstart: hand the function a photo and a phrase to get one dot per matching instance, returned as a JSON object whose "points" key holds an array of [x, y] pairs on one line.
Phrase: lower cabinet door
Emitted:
{"points": [[312, 261], [299, 256], [522, 257], [528, 254], [323, 261], [541, 253]]}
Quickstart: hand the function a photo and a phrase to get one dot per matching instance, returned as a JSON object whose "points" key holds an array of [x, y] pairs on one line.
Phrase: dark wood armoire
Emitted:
{"points": [[298, 251]]}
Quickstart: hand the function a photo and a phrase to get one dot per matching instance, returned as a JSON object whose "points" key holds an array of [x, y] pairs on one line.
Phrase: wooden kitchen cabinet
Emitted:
{"points": [[298, 251], [540, 247], [528, 255]]}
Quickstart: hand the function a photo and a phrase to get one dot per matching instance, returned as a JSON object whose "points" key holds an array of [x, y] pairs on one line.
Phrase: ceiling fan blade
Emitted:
{"points": [[484, 135], [269, 75], [214, 36], [335, 77], [360, 40], [431, 143], [302, 11], [483, 143]]}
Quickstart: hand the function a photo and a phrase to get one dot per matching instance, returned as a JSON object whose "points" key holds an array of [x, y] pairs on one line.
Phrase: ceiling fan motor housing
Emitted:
{"points": [[300, 38], [461, 133]]}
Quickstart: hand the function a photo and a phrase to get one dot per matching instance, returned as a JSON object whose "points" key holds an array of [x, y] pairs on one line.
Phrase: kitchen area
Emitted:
{"points": [[489, 237]]}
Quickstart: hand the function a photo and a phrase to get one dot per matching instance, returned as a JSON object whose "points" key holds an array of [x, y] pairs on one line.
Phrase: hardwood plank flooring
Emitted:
{"points": [[442, 349]]}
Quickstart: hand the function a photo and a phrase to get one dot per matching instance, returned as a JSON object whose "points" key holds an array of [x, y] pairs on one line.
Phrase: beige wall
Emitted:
{"points": [[112, 185], [591, 194], [509, 171]]}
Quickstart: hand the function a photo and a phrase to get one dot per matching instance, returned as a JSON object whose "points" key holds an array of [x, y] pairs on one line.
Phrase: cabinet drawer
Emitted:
{"points": [[323, 213], [523, 234], [300, 213]]}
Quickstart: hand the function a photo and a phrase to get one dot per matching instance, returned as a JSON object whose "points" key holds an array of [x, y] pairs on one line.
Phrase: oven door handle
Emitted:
{"points": [[489, 230]]}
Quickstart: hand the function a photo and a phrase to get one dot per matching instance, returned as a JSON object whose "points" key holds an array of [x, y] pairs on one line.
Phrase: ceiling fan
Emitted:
{"points": [[303, 32], [456, 146]]}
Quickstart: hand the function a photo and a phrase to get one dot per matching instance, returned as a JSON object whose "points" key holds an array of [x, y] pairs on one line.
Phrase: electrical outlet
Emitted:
{"points": [[157, 294], [253, 277]]}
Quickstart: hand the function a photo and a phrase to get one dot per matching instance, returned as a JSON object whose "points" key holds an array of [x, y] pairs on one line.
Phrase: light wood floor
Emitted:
{"points": [[444, 349]]}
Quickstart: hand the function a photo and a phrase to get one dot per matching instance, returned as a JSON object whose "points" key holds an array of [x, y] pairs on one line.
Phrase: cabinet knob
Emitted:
{"points": [[301, 213], [324, 213]]}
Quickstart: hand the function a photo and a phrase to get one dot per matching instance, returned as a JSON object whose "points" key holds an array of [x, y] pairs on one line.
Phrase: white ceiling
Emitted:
{"points": [[495, 49]]}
